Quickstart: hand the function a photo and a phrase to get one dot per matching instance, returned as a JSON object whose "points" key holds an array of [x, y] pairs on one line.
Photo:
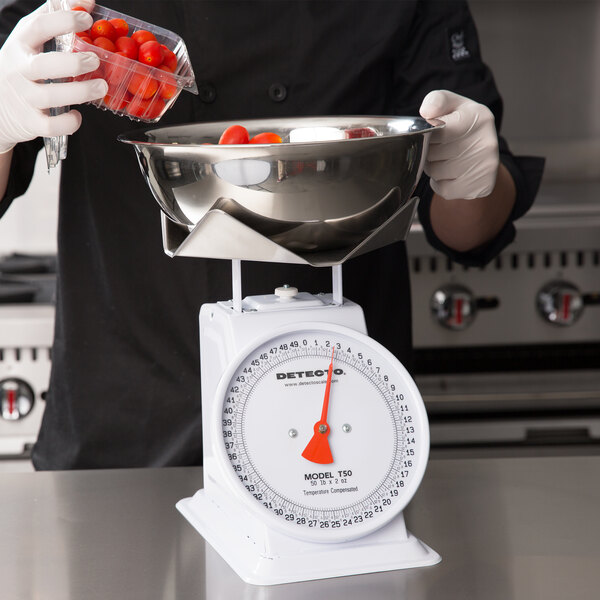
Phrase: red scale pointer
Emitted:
{"points": [[318, 450]]}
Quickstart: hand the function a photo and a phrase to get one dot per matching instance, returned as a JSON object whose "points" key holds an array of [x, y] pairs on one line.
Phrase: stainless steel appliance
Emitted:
{"points": [[510, 353], [26, 333]]}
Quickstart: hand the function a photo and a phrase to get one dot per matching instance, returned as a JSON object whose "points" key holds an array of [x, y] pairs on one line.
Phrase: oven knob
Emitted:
{"points": [[16, 399], [453, 306], [560, 303]]}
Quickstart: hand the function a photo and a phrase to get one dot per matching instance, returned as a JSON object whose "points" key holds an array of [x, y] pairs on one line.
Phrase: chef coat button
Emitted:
{"points": [[207, 93], [277, 92]]}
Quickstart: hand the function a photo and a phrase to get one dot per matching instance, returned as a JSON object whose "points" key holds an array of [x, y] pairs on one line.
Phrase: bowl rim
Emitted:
{"points": [[128, 137]]}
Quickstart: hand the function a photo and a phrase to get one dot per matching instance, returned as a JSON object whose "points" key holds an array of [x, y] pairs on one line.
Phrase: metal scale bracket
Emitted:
{"points": [[241, 242]]}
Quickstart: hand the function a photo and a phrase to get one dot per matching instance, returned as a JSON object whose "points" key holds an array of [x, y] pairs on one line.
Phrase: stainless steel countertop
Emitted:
{"points": [[507, 528]]}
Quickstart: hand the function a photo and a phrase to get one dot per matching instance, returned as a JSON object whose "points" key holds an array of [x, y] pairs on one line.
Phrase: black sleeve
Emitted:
{"points": [[444, 53], [24, 155]]}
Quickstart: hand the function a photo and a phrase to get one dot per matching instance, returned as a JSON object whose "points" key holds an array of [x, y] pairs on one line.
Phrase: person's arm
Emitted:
{"points": [[442, 53], [467, 224], [24, 95], [474, 193], [24, 67], [5, 162]]}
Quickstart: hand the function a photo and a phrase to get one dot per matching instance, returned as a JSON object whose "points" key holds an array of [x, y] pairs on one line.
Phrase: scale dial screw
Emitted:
{"points": [[346, 428], [292, 433]]}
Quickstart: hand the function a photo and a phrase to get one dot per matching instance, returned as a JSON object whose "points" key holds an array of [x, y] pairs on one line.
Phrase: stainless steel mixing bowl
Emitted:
{"points": [[307, 196]]}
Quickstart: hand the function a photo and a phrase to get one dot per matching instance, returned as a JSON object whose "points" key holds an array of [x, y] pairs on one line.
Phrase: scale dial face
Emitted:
{"points": [[269, 428]]}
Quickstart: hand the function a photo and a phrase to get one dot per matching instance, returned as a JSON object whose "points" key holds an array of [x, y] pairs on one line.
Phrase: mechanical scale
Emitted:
{"points": [[315, 435]]}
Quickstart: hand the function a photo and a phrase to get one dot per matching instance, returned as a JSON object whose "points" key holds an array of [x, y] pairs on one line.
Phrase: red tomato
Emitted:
{"points": [[117, 102], [142, 85], [79, 46], [120, 26], [151, 54], [359, 132], [102, 28], [266, 138], [168, 86], [236, 134], [117, 72], [97, 74], [128, 46], [169, 58], [141, 36], [146, 109], [79, 8], [85, 33], [105, 44]]}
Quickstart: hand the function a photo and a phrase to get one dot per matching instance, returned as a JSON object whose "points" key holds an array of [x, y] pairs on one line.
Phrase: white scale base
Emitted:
{"points": [[261, 556]]}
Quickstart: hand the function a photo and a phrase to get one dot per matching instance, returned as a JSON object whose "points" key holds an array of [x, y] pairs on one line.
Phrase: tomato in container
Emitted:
{"points": [[145, 66], [128, 46]]}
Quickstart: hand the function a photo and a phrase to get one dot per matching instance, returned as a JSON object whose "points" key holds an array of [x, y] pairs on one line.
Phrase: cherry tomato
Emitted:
{"points": [[151, 54], [128, 46], [141, 36], [117, 72], [146, 109], [105, 44], [79, 8], [120, 26], [85, 33], [97, 74], [359, 132], [266, 138], [236, 134], [79, 46], [102, 28], [142, 86], [116, 102], [168, 86], [169, 58]]}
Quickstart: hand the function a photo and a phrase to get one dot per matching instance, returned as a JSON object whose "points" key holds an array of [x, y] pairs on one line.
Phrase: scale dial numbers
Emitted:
{"points": [[271, 403]]}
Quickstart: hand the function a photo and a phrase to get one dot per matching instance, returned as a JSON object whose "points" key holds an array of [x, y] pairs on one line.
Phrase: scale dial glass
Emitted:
{"points": [[272, 396]]}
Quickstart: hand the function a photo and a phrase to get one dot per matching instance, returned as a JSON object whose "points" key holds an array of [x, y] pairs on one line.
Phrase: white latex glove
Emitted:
{"points": [[24, 97], [463, 160]]}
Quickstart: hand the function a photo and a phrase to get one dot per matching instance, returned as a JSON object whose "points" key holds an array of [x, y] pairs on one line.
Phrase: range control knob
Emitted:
{"points": [[560, 303], [453, 306], [16, 399]]}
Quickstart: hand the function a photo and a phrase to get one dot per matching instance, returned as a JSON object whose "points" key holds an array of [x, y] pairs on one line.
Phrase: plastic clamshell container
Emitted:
{"points": [[125, 75]]}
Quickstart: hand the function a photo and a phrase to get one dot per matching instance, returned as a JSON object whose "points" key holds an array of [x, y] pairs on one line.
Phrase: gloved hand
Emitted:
{"points": [[24, 97], [463, 160]]}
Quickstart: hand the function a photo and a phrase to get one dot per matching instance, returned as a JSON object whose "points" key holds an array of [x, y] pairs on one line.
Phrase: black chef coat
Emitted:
{"points": [[125, 383]]}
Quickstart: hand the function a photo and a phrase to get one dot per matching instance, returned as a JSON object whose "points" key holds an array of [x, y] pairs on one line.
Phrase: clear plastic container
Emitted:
{"points": [[138, 91], [56, 147]]}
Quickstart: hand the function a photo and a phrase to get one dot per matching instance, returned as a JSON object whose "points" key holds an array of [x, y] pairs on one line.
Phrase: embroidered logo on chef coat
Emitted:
{"points": [[458, 49]]}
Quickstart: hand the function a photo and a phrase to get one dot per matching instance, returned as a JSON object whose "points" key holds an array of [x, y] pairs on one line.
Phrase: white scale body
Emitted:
{"points": [[274, 516]]}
